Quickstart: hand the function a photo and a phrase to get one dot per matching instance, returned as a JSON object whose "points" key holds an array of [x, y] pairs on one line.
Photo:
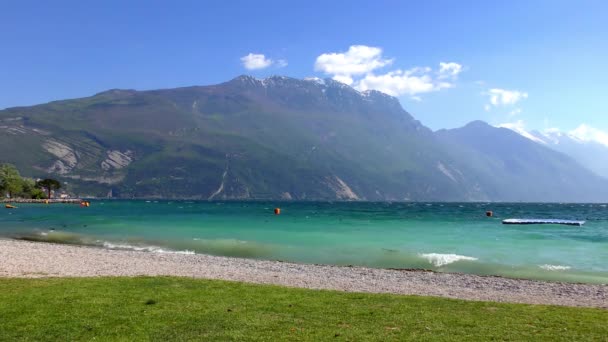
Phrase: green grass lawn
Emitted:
{"points": [[164, 308]]}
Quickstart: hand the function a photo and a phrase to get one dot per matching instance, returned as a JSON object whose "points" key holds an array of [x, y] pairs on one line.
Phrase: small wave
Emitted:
{"points": [[439, 260], [152, 249], [555, 267], [55, 236]]}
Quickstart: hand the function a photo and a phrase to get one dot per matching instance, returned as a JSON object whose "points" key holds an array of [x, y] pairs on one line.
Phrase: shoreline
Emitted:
{"points": [[42, 201], [25, 259]]}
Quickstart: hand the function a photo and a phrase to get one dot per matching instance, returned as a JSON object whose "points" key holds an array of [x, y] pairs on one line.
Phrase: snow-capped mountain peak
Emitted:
{"points": [[518, 127], [585, 144]]}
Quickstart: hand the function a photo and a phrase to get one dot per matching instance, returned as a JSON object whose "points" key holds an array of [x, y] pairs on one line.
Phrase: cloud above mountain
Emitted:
{"points": [[449, 70], [257, 61], [403, 82], [359, 66], [358, 60], [587, 133], [504, 97]]}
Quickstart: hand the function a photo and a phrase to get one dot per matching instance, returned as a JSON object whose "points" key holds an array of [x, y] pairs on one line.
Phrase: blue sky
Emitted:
{"points": [[534, 64]]}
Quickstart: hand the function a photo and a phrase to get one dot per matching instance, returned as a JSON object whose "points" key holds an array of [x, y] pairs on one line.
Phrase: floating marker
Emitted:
{"points": [[277, 211], [489, 213]]}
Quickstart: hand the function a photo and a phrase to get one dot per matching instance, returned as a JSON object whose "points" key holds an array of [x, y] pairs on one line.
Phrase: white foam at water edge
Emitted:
{"points": [[153, 249], [439, 260], [554, 267]]}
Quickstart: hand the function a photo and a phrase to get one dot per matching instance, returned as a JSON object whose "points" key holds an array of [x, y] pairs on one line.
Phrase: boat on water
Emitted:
{"points": [[544, 221], [9, 206]]}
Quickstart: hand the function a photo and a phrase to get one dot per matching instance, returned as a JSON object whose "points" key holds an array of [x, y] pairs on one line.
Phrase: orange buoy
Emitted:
{"points": [[489, 213], [277, 211]]}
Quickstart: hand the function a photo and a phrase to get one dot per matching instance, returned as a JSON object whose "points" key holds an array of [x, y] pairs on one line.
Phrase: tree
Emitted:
{"points": [[49, 185], [31, 190], [10, 180]]}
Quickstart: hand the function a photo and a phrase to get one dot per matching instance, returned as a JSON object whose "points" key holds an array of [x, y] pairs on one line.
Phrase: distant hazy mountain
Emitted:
{"points": [[279, 138], [513, 167], [592, 154]]}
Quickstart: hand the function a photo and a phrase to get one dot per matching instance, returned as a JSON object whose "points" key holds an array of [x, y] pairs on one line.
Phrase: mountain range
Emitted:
{"points": [[579, 144], [592, 154], [280, 138]]}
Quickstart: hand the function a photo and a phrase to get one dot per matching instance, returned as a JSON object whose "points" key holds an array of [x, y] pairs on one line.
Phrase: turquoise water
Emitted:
{"points": [[446, 237]]}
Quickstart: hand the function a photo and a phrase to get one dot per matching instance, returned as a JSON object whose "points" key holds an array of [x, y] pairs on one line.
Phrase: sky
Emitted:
{"points": [[530, 64]]}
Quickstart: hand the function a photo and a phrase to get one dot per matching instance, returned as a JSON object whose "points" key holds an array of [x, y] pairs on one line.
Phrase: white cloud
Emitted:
{"points": [[502, 97], [587, 133], [409, 82], [516, 126], [344, 79], [449, 70], [281, 63], [552, 130], [358, 60], [254, 61], [358, 67], [515, 111]]}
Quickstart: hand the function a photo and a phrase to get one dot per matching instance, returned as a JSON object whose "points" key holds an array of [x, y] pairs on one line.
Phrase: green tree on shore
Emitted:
{"points": [[15, 186], [10, 180], [50, 185], [31, 190]]}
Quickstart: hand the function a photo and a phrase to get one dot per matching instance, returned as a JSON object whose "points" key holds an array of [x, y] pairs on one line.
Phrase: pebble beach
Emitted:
{"points": [[25, 259]]}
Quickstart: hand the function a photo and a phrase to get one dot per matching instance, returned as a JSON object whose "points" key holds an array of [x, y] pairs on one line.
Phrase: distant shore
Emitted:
{"points": [[35, 259], [42, 201]]}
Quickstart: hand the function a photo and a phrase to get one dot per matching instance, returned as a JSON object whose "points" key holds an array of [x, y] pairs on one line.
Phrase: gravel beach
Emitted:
{"points": [[33, 259]]}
